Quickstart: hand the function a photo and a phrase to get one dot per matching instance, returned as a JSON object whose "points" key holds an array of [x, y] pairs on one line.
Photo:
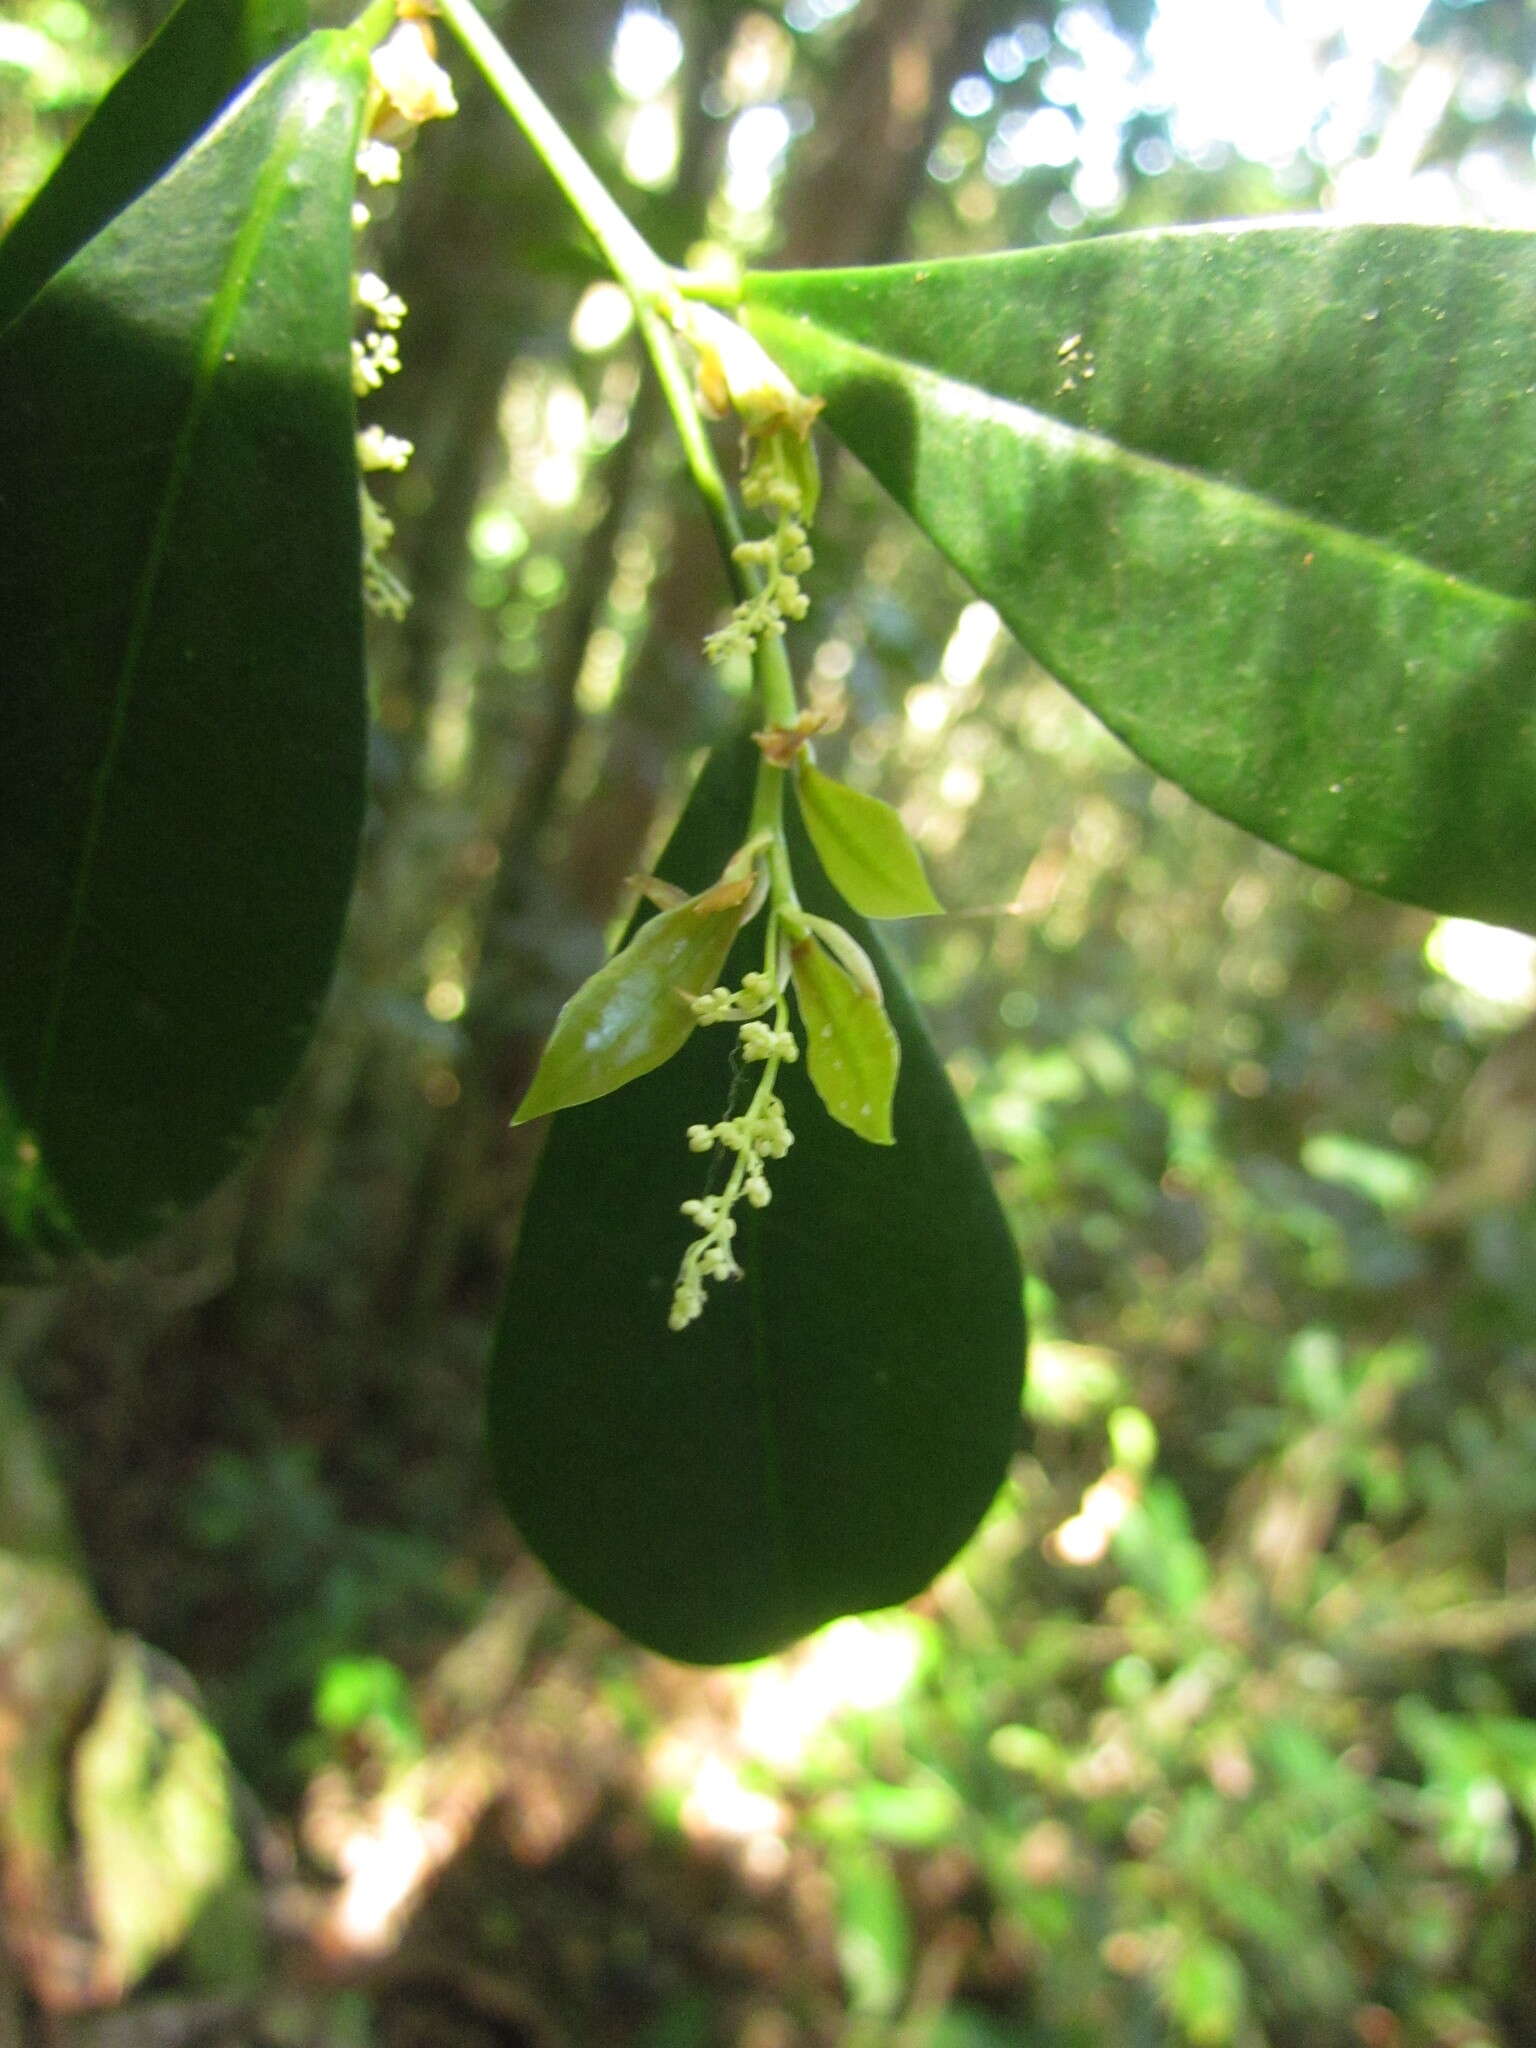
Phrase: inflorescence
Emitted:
{"points": [[780, 480], [410, 87], [759, 1134]]}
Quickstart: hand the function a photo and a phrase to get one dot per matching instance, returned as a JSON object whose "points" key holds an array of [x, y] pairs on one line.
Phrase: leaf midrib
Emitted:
{"points": [[763, 1376], [1376, 556], [224, 310]]}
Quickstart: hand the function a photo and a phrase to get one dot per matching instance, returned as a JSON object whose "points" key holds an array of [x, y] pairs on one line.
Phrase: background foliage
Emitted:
{"points": [[1219, 1730]]}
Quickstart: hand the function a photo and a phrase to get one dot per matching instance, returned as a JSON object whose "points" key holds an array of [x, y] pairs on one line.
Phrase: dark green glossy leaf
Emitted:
{"points": [[182, 725], [852, 1055], [1264, 497], [631, 1015], [830, 1430], [863, 845], [166, 97]]}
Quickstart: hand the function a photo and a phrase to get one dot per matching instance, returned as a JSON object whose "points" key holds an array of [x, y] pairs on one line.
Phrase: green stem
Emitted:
{"points": [[651, 290], [698, 453], [375, 22], [630, 257], [770, 664], [768, 819], [775, 682]]}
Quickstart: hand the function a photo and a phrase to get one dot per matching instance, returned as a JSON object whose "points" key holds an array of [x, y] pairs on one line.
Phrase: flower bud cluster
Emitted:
{"points": [[779, 474], [379, 162], [761, 1041], [374, 358], [378, 450], [757, 994], [750, 1140], [407, 73], [383, 592], [781, 558]]}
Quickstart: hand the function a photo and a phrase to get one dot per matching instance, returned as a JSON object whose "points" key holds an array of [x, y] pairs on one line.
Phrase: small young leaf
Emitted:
{"points": [[633, 1014], [847, 951], [1264, 497], [182, 726], [852, 1054], [832, 1428], [175, 86], [864, 848]]}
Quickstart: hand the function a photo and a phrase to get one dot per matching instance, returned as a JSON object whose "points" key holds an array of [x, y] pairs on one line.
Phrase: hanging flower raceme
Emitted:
{"points": [[409, 86], [641, 1008]]}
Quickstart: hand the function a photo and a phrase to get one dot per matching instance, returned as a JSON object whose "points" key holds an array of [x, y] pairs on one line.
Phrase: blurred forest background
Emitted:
{"points": [[1223, 1729]]}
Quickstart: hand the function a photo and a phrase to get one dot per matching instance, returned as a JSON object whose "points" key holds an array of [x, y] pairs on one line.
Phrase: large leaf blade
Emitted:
{"points": [[1261, 497], [829, 1431], [182, 727], [175, 86]]}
